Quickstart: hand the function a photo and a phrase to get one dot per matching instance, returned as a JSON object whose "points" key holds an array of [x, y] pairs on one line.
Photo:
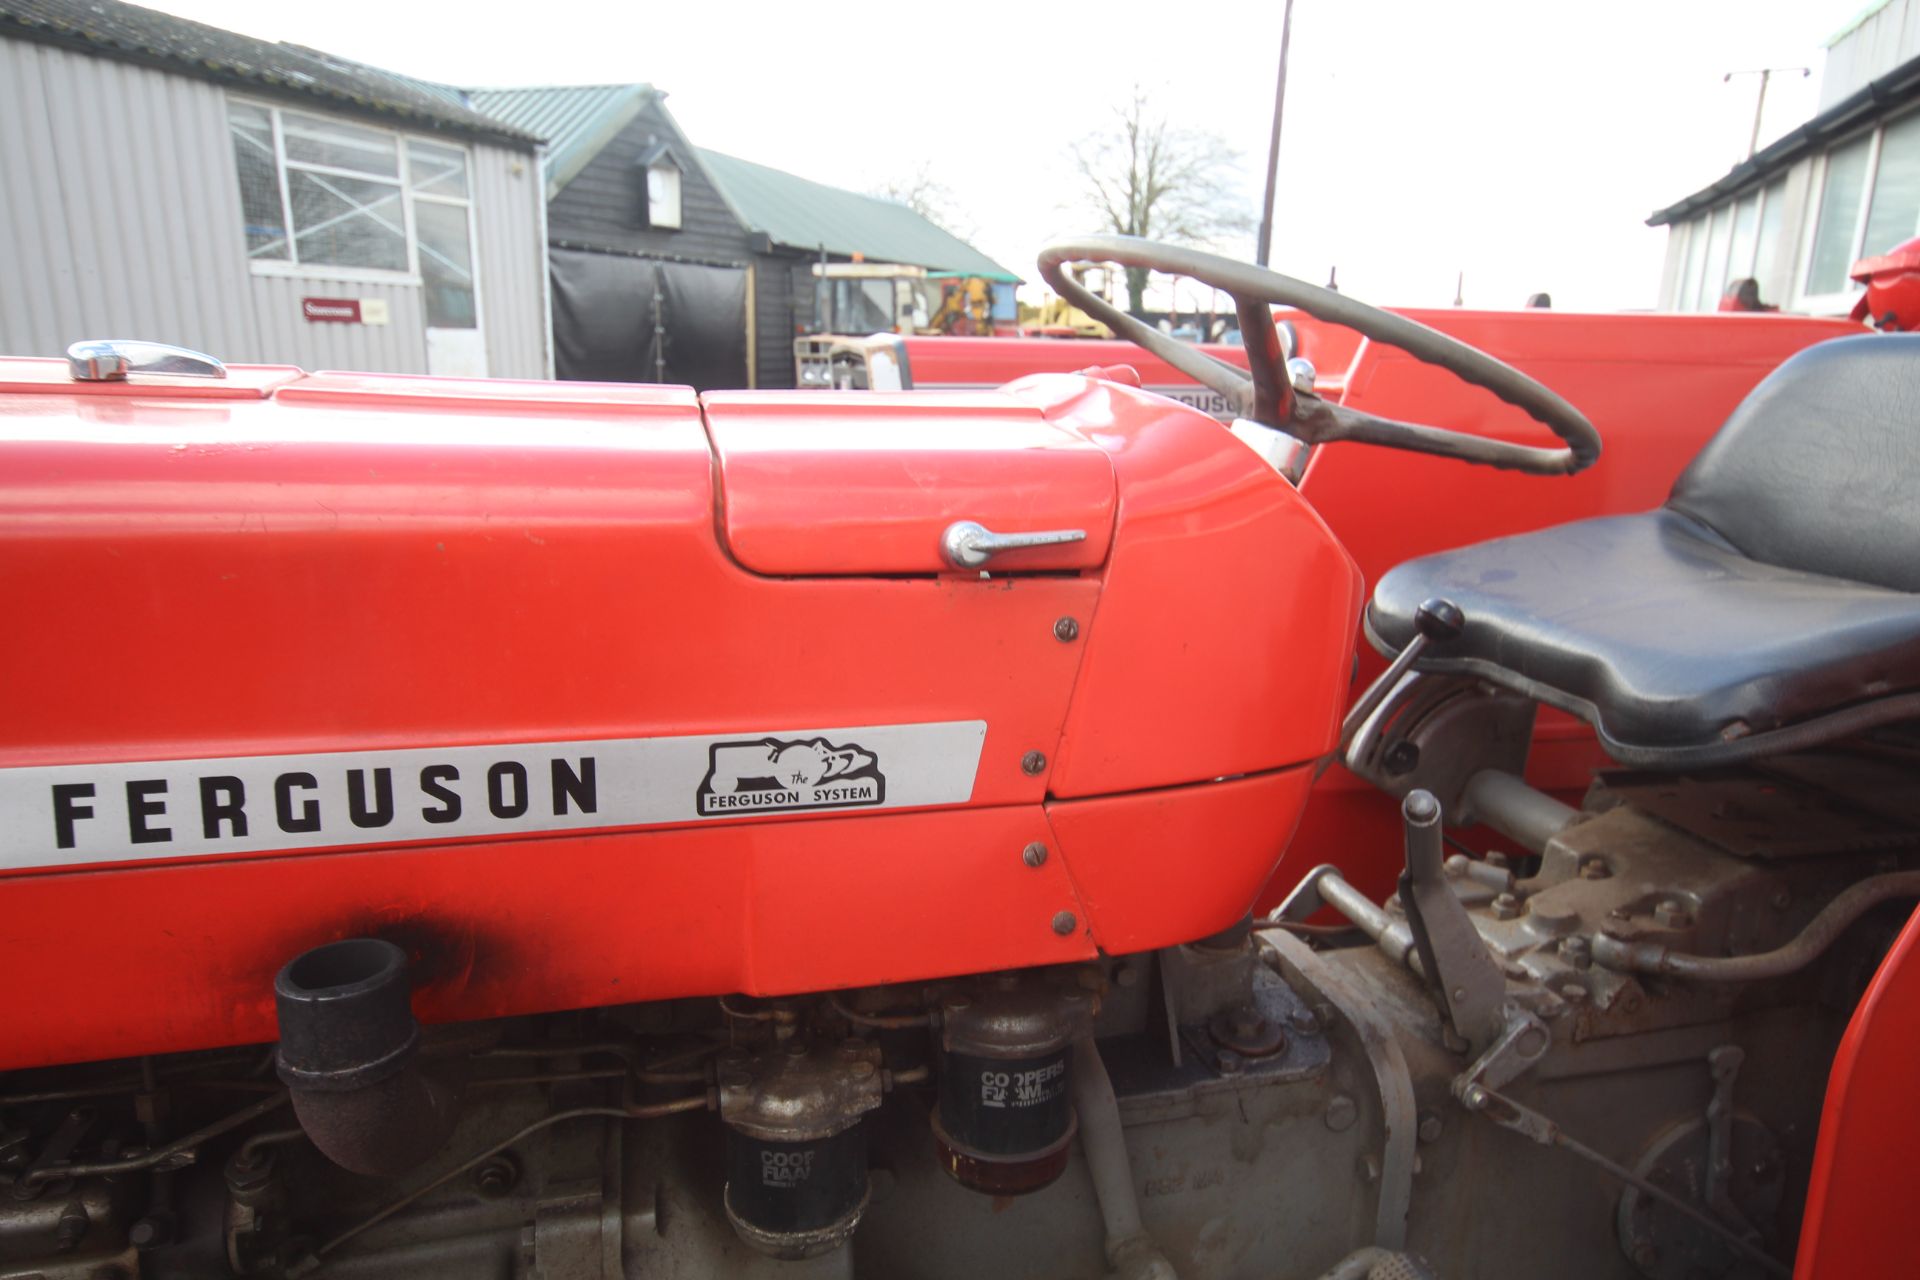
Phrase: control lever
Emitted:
{"points": [[1724, 1062], [1437, 620], [1468, 984]]}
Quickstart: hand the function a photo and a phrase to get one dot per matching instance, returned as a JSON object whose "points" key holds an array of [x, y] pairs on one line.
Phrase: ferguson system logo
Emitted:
{"points": [[771, 774], [139, 811]]}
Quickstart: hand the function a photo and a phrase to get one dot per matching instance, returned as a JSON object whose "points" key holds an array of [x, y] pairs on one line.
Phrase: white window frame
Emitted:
{"points": [[473, 221], [410, 275], [1701, 224], [664, 162], [1680, 243], [1841, 302]]}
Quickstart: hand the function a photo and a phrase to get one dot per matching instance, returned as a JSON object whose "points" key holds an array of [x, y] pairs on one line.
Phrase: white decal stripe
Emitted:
{"points": [[74, 815], [1205, 399]]}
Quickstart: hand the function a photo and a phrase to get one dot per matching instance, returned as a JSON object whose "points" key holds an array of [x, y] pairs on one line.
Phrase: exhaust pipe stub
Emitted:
{"points": [[348, 1054]]}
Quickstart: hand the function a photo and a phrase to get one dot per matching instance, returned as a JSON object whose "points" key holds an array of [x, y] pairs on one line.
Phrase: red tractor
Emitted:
{"points": [[534, 829]]}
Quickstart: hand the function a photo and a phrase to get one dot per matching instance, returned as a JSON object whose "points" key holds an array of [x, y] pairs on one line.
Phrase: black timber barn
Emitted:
{"points": [[674, 264]]}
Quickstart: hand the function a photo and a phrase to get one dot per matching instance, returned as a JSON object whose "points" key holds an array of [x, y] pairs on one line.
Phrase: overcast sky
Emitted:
{"points": [[1522, 142]]}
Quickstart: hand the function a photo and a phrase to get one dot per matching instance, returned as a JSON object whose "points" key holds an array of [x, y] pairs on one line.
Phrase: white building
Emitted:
{"points": [[166, 180], [1843, 186]]}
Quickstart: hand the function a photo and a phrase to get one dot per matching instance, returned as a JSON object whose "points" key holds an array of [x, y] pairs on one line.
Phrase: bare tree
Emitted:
{"points": [[1146, 177], [929, 197]]}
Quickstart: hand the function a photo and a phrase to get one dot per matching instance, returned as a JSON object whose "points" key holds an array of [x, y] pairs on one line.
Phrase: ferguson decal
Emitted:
{"points": [[60, 815], [751, 777]]}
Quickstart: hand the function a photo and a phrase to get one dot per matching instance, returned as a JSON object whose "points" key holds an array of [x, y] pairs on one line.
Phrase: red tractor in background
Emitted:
{"points": [[536, 829]]}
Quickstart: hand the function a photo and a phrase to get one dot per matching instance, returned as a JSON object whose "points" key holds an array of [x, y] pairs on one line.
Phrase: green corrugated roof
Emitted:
{"points": [[576, 120], [810, 215]]}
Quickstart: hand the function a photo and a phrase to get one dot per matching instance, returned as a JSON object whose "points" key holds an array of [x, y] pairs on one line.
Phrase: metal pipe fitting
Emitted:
{"points": [[1372, 1261], [348, 1050], [1130, 1250], [1392, 936], [1821, 932], [1362, 911], [1521, 813]]}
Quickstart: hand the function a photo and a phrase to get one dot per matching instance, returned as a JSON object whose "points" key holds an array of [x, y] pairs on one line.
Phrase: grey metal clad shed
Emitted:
{"points": [[169, 180], [108, 28]]}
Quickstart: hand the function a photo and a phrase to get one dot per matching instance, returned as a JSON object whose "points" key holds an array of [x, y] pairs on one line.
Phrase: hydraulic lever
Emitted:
{"points": [[1468, 984]]}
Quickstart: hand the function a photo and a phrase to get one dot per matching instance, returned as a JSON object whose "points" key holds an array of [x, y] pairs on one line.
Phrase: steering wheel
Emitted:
{"points": [[1269, 397]]}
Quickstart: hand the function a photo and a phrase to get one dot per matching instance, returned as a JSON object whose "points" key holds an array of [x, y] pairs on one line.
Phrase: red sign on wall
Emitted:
{"points": [[331, 310]]}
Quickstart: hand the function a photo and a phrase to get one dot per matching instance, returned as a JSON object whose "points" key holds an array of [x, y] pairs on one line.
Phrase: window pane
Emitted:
{"points": [[1716, 273], [1773, 216], [663, 197], [343, 146], [260, 208], [437, 171], [1746, 227], [1696, 261], [1896, 188], [862, 306], [446, 264], [1839, 215], [347, 222]]}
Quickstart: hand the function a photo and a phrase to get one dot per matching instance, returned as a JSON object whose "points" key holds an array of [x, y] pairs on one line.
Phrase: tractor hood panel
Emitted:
{"points": [[824, 483], [594, 694]]}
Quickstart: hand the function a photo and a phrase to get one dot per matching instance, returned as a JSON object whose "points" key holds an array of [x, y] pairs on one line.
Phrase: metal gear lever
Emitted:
{"points": [[1468, 984], [1438, 620]]}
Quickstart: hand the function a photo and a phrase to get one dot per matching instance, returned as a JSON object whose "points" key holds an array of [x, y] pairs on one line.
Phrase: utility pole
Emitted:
{"points": [[1265, 246], [1760, 102]]}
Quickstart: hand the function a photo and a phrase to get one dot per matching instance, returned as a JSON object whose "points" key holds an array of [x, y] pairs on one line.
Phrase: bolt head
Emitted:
{"points": [[1033, 764], [1506, 906], [1672, 913], [1431, 1127], [1066, 631], [496, 1177], [1303, 1021], [144, 1234], [1064, 922], [1034, 855], [1229, 1063], [1301, 374], [1341, 1112], [1126, 976]]}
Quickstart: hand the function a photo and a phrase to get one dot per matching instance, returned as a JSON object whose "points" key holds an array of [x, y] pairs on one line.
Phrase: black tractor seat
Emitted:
{"points": [[1773, 602]]}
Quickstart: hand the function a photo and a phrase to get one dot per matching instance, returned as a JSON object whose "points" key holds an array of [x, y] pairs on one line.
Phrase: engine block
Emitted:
{"points": [[1280, 1091]]}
